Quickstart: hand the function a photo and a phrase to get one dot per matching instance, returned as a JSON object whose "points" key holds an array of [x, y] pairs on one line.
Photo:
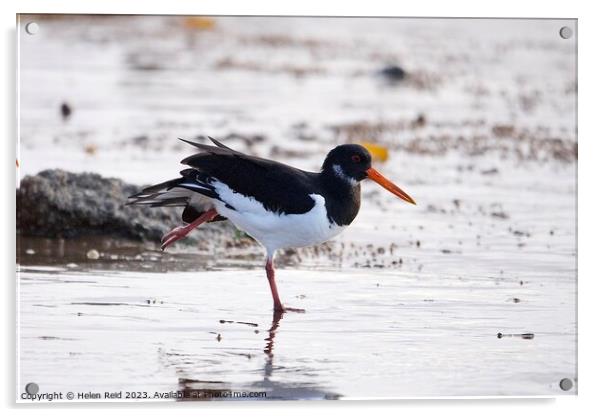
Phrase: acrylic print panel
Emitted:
{"points": [[470, 292]]}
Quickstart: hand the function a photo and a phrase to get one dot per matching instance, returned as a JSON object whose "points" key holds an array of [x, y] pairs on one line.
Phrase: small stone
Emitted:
{"points": [[65, 111], [93, 254], [393, 73], [90, 149]]}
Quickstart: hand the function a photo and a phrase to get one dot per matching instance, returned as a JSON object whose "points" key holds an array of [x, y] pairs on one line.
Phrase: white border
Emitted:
{"points": [[590, 72]]}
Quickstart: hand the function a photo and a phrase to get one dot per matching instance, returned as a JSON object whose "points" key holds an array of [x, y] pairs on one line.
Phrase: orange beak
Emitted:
{"points": [[374, 175]]}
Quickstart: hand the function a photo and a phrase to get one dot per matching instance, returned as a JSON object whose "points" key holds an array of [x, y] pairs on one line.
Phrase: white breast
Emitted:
{"points": [[276, 231]]}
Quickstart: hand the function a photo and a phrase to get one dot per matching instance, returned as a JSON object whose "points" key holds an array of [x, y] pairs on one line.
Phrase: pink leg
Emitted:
{"points": [[269, 270], [181, 231], [278, 307]]}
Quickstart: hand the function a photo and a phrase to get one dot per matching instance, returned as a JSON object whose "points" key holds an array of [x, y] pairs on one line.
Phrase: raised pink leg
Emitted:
{"points": [[181, 231], [278, 307]]}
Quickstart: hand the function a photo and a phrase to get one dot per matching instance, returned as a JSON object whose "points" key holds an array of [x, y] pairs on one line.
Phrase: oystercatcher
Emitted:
{"points": [[276, 204]]}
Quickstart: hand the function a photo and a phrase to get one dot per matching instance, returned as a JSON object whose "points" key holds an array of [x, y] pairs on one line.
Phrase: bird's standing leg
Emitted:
{"points": [[181, 231], [271, 274], [269, 270]]}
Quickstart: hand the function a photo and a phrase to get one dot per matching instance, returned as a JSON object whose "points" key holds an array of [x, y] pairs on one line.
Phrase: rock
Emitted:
{"points": [[419, 121], [393, 73], [492, 171], [56, 203], [66, 111], [93, 254], [500, 215]]}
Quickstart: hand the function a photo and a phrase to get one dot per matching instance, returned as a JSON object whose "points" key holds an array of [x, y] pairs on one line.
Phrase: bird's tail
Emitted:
{"points": [[166, 194], [174, 193]]}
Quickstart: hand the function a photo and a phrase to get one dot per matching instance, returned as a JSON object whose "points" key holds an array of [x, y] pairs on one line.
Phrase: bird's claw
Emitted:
{"points": [[174, 235], [283, 309], [294, 310]]}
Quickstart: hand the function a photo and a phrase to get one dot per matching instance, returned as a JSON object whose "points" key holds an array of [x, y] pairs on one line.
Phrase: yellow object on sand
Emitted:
{"points": [[378, 152], [199, 23]]}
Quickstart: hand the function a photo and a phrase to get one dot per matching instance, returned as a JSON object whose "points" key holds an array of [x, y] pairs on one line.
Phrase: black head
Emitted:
{"points": [[353, 163], [348, 162]]}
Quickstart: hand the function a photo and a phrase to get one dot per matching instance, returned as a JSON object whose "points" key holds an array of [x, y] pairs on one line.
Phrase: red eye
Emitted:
{"points": [[356, 158]]}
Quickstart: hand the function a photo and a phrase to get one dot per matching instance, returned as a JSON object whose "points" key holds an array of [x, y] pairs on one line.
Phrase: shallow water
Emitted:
{"points": [[364, 334]]}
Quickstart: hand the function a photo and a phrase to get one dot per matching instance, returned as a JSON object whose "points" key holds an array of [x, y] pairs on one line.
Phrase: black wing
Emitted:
{"points": [[279, 187]]}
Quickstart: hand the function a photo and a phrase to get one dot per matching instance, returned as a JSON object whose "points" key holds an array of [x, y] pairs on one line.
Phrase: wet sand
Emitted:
{"points": [[363, 334]]}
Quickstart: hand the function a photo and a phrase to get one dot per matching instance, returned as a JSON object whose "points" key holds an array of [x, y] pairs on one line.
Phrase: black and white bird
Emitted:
{"points": [[278, 205]]}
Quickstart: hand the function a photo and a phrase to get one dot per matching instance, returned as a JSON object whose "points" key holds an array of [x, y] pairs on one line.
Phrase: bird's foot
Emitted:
{"points": [[283, 309], [174, 235], [180, 232], [294, 310]]}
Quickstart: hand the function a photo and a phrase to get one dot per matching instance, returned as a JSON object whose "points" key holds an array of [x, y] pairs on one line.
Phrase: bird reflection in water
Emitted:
{"points": [[269, 347], [199, 390]]}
